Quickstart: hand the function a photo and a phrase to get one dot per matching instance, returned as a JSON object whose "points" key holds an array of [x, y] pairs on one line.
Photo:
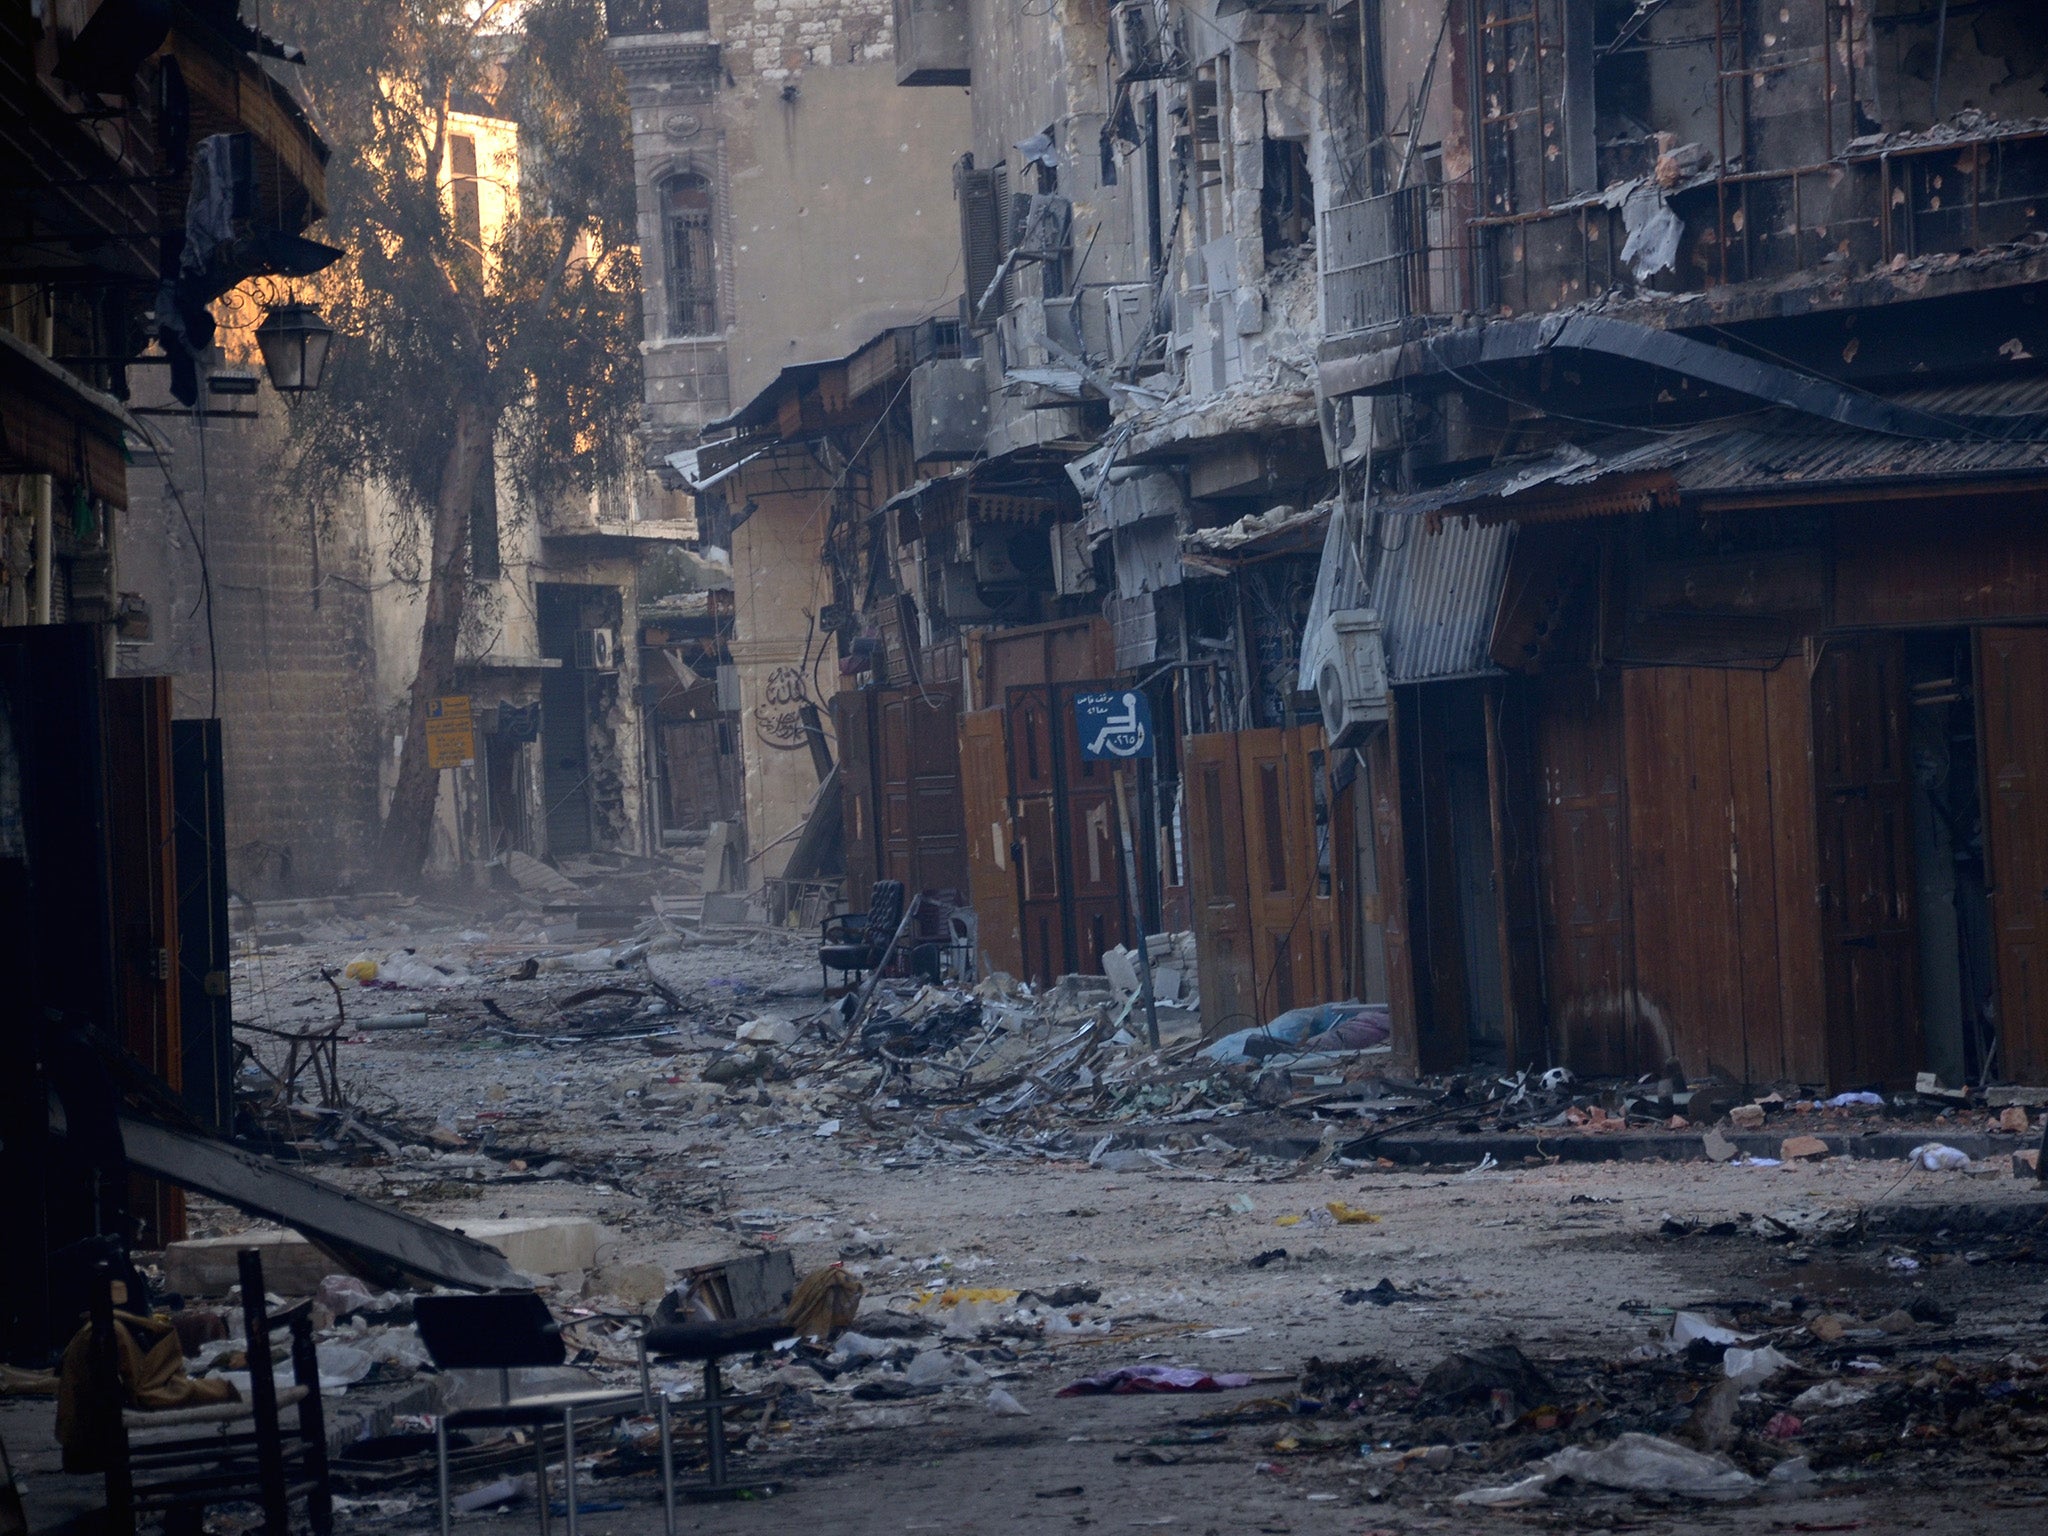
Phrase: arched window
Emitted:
{"points": [[691, 254]]}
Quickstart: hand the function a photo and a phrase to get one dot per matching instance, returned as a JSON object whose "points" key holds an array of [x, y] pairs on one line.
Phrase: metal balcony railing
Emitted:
{"points": [[1386, 258]]}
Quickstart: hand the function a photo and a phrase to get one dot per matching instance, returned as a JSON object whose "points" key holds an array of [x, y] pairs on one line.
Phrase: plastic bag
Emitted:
{"points": [[1937, 1158]]}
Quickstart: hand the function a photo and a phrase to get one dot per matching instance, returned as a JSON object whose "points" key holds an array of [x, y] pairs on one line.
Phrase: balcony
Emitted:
{"points": [[1402, 255], [646, 18]]}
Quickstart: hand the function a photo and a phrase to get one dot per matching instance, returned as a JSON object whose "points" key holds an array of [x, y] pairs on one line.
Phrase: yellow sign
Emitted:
{"points": [[451, 738]]}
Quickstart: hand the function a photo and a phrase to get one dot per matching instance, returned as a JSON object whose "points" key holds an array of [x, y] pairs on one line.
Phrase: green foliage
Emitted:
{"points": [[540, 332]]}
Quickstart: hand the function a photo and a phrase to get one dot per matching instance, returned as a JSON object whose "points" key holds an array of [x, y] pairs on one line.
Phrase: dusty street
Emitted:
{"points": [[1918, 1294]]}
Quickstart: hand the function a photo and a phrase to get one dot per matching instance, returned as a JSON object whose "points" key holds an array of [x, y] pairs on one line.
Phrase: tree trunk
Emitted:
{"points": [[409, 820]]}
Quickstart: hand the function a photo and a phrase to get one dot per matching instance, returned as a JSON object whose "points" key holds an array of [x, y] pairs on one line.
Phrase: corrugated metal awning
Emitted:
{"points": [[2002, 435], [1437, 591]]}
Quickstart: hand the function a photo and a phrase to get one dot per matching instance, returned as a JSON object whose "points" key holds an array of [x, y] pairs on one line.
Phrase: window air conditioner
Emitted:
{"points": [[597, 650], [1352, 686]]}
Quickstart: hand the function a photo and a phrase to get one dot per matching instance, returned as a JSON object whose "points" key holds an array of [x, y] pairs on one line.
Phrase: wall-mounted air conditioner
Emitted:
{"points": [[1352, 686], [597, 650]]}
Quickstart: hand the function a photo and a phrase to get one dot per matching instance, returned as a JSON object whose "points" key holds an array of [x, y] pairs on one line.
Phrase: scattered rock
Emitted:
{"points": [[1747, 1117], [1797, 1147]]}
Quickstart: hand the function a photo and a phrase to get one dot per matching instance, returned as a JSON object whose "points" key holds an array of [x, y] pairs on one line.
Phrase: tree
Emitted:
{"points": [[449, 352]]}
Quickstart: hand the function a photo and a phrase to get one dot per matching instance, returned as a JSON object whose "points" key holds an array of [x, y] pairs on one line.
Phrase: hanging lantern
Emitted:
{"points": [[294, 340]]}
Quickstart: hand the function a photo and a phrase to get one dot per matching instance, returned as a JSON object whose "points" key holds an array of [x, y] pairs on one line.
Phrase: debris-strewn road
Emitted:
{"points": [[1368, 1304]]}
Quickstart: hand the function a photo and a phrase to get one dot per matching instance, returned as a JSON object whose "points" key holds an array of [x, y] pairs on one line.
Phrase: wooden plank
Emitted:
{"points": [[1383, 798], [1753, 874], [1217, 882], [1862, 793], [2012, 689], [1512, 808], [1988, 564], [1440, 993], [1802, 992], [1656, 849], [991, 868], [1583, 869]]}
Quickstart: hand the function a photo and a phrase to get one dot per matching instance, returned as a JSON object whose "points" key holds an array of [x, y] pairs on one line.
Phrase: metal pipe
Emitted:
{"points": [[1940, 48]]}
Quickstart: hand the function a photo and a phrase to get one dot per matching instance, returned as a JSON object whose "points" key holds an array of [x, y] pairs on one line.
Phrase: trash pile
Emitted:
{"points": [[1704, 1412]]}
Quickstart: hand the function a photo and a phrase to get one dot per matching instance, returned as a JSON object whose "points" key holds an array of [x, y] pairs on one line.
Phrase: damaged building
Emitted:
{"points": [[1463, 424]]}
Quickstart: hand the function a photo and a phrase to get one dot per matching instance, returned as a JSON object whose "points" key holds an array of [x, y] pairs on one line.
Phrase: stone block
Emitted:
{"points": [[2008, 1094], [1796, 1147], [1747, 1117], [207, 1266], [539, 1245]]}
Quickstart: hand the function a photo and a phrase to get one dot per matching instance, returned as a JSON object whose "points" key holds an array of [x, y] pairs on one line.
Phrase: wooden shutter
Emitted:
{"points": [[981, 236], [2012, 690]]}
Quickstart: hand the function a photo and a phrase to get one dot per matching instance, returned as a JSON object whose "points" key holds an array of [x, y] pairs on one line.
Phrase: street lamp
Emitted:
{"points": [[294, 340]]}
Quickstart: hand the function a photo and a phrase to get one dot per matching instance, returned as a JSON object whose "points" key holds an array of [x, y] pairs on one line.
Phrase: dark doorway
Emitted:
{"points": [[564, 722], [1454, 901], [1958, 986]]}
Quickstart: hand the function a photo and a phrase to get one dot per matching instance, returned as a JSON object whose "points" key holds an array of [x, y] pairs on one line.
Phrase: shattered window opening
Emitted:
{"points": [[687, 210]]}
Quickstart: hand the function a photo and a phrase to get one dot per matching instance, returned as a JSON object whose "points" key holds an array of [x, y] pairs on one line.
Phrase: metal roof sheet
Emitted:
{"points": [[1437, 591], [2004, 433]]}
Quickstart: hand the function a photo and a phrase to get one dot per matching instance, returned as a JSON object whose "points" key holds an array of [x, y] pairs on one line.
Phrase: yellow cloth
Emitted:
{"points": [[151, 1362], [825, 1303]]}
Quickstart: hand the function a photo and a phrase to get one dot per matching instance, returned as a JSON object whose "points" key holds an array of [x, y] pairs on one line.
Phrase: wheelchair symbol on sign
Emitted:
{"points": [[1122, 734]]}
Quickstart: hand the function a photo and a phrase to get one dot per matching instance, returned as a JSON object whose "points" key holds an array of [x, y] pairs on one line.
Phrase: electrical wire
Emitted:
{"points": [[162, 448]]}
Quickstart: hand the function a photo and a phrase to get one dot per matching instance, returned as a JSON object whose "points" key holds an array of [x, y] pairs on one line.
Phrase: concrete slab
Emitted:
{"points": [[539, 1245]]}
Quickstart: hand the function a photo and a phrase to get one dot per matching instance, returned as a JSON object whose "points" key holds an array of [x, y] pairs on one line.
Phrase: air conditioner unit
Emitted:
{"points": [[597, 650], [1127, 311], [1145, 37], [1352, 685]]}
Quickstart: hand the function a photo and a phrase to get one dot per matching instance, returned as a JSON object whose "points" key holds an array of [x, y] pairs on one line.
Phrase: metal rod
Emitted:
{"points": [[569, 1465], [668, 1470], [441, 1470], [714, 1424], [1940, 49], [1130, 861]]}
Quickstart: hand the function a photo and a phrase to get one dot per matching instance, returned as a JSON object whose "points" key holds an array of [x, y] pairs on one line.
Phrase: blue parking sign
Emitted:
{"points": [[1114, 725]]}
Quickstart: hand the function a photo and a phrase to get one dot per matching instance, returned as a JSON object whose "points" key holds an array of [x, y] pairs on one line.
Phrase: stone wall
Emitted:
{"points": [[291, 632]]}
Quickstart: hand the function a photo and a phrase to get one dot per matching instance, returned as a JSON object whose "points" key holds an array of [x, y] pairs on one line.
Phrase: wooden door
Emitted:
{"points": [[141, 822], [1093, 876], [1863, 803], [1034, 786], [991, 872], [1216, 882], [1277, 883], [850, 725], [2012, 693], [691, 769], [1582, 871], [938, 827]]}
